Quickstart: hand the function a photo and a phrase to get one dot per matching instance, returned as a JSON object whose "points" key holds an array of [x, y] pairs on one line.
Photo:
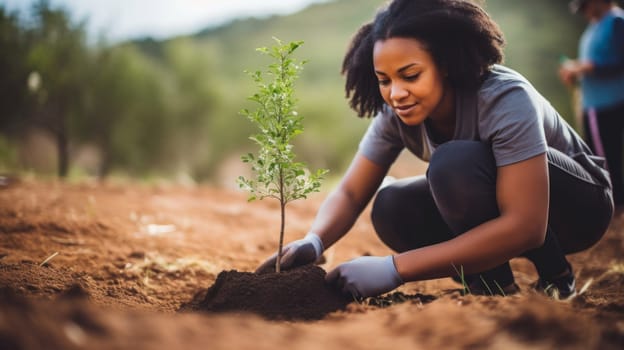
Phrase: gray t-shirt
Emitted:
{"points": [[506, 112]]}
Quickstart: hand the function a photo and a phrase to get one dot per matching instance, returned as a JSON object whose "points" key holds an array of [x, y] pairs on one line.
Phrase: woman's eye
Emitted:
{"points": [[412, 77], [384, 82]]}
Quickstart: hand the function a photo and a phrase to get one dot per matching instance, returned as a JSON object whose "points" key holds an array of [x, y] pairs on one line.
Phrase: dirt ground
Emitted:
{"points": [[107, 266]]}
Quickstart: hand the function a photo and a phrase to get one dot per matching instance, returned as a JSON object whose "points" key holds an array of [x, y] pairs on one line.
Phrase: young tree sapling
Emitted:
{"points": [[277, 174]]}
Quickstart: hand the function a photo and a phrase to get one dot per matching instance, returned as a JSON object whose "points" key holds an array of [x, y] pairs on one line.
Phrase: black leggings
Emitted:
{"points": [[608, 139], [459, 193]]}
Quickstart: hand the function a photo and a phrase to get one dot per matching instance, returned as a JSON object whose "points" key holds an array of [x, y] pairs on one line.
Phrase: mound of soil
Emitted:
{"points": [[298, 294]]}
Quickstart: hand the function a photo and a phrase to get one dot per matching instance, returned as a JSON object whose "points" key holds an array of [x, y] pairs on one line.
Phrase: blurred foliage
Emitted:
{"points": [[170, 107]]}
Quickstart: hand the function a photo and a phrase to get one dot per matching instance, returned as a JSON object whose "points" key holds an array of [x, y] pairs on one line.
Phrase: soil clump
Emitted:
{"points": [[298, 294]]}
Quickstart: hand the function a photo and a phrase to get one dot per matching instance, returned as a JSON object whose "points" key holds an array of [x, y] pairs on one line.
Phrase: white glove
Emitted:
{"points": [[366, 276], [297, 253]]}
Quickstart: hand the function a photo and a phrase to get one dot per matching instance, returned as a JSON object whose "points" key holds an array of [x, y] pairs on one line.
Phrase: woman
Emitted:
{"points": [[600, 71], [507, 176]]}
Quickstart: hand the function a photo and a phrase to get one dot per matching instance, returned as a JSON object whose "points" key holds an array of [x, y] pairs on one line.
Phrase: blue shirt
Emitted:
{"points": [[602, 44]]}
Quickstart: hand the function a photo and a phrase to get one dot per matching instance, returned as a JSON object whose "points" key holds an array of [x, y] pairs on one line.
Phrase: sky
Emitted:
{"points": [[126, 19]]}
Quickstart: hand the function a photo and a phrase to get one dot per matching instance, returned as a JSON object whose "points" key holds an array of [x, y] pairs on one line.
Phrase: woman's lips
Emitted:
{"points": [[404, 110]]}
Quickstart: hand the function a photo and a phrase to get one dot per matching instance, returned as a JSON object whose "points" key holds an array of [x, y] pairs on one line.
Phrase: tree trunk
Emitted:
{"points": [[106, 158], [278, 262], [62, 147]]}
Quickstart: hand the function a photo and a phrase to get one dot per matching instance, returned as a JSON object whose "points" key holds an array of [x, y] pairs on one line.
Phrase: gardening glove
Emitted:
{"points": [[297, 253], [366, 276]]}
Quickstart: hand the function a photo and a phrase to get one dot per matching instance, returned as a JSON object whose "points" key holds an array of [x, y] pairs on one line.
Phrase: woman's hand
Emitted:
{"points": [[297, 253], [572, 70], [366, 276]]}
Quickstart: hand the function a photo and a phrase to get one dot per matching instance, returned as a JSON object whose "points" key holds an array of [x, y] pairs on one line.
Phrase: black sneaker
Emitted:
{"points": [[561, 287], [492, 288], [475, 285]]}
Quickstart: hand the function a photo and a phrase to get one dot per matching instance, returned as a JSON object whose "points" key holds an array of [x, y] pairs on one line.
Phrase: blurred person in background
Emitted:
{"points": [[507, 176], [600, 71]]}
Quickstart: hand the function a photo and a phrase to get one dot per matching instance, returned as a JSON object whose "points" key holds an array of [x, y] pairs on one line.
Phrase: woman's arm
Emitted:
{"points": [[342, 207], [572, 70], [522, 194]]}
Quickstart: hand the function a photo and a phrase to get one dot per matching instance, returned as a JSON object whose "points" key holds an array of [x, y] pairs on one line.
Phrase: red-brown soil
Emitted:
{"points": [[130, 256], [297, 294]]}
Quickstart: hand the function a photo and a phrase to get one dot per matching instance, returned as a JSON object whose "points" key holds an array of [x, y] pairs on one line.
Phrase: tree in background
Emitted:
{"points": [[58, 55], [192, 97], [125, 114], [143, 115], [14, 73], [13, 87]]}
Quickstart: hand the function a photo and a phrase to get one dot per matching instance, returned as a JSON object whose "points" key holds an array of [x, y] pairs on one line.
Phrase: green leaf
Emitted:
{"points": [[293, 46]]}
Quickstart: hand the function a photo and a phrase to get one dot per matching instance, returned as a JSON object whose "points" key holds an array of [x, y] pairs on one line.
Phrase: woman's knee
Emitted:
{"points": [[458, 164], [385, 213], [462, 178], [403, 213], [458, 168]]}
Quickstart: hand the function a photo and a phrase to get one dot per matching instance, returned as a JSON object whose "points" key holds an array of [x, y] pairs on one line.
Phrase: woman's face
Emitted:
{"points": [[593, 10], [410, 81]]}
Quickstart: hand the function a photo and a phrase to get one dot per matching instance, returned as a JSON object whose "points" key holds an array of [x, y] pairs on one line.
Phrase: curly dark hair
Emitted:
{"points": [[461, 37]]}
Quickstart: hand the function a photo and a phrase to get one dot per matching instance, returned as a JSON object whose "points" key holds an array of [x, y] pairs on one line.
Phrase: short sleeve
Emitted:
{"points": [[512, 121], [382, 142]]}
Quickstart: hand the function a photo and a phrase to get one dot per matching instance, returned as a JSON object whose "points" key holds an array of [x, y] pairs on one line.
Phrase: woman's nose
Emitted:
{"points": [[397, 92]]}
